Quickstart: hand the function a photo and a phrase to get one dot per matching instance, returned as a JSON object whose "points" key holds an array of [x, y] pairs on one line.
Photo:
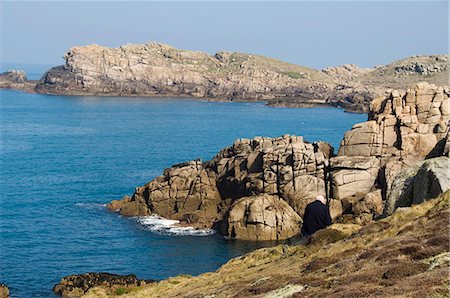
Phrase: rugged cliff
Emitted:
{"points": [[156, 69], [258, 189]]}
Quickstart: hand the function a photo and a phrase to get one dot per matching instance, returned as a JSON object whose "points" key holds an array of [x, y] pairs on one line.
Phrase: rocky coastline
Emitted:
{"points": [[156, 69], [257, 189]]}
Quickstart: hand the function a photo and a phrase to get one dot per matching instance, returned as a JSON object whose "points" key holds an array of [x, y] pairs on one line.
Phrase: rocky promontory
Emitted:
{"points": [[155, 69], [257, 189]]}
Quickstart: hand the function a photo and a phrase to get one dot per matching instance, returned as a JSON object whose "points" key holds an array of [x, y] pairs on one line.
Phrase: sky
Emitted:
{"points": [[317, 34]]}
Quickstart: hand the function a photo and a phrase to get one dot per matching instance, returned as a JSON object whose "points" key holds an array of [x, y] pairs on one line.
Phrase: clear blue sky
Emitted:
{"points": [[315, 34]]}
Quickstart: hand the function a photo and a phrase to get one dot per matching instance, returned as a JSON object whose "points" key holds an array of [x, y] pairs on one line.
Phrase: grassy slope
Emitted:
{"points": [[388, 258], [387, 77]]}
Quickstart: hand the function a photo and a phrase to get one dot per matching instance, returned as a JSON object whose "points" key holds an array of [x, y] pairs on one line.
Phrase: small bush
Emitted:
{"points": [[121, 291]]}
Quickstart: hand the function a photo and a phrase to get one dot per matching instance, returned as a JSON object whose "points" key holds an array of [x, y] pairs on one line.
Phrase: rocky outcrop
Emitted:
{"points": [[16, 79], [404, 127], [247, 189], [4, 291], [78, 285], [14, 76], [155, 69], [201, 193], [416, 184]]}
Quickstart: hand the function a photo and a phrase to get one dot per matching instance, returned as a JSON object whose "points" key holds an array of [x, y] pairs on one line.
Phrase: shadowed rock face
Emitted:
{"points": [[155, 69]]}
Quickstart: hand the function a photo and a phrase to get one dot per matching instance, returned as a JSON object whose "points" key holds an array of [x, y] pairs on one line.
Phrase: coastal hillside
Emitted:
{"points": [[403, 255], [155, 69]]}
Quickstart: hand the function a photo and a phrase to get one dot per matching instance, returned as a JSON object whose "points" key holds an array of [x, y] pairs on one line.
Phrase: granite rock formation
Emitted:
{"points": [[77, 285], [248, 189], [155, 69], [262, 217], [201, 193]]}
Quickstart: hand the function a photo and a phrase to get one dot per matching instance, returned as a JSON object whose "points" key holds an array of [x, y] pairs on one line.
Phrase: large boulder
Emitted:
{"points": [[415, 184], [262, 217], [352, 175]]}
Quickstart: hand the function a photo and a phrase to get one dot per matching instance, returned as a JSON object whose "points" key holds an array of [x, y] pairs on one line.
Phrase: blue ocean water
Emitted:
{"points": [[62, 158]]}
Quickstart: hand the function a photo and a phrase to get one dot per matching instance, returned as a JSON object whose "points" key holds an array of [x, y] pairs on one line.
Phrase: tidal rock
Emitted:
{"points": [[77, 285], [262, 217], [184, 191], [4, 291], [14, 76]]}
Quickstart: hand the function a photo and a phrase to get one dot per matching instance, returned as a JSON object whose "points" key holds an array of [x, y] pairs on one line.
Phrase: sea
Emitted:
{"points": [[63, 158]]}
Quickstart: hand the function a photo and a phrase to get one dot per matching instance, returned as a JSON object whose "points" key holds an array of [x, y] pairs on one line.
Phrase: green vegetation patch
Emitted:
{"points": [[121, 291]]}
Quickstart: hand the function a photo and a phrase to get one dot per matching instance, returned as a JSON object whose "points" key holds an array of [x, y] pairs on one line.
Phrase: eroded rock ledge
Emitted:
{"points": [[257, 189], [77, 285]]}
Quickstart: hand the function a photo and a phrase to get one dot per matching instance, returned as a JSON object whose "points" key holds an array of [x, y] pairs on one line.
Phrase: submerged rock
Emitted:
{"points": [[4, 291], [77, 285]]}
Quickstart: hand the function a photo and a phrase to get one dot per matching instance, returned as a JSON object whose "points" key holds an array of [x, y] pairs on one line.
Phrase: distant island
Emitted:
{"points": [[156, 69]]}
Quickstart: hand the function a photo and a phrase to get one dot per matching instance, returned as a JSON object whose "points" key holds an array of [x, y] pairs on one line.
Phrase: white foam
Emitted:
{"points": [[96, 206], [163, 226]]}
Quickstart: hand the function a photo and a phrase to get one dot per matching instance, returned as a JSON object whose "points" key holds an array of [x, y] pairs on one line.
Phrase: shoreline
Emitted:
{"points": [[30, 89]]}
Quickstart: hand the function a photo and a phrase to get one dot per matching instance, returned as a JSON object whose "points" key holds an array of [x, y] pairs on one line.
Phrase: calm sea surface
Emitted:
{"points": [[63, 158]]}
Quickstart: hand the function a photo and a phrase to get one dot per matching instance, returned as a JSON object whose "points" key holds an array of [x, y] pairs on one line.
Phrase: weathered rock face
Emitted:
{"points": [[262, 217], [185, 192], [403, 129], [78, 285], [200, 193], [402, 124], [353, 175], [4, 291], [415, 184], [286, 166]]}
